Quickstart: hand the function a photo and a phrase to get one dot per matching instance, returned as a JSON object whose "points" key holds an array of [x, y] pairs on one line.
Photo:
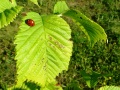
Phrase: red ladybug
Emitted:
{"points": [[30, 22]]}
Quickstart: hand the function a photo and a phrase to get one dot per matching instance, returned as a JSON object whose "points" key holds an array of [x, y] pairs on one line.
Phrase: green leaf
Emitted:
{"points": [[91, 79], [9, 15], [8, 12], [93, 31], [44, 50], [6, 4], [35, 2], [60, 7], [86, 77], [109, 88]]}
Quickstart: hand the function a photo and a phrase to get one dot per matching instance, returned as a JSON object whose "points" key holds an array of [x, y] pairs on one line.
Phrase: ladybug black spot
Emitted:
{"points": [[80, 17], [30, 22]]}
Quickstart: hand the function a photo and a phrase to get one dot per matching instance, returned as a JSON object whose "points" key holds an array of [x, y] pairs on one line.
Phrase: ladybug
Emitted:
{"points": [[30, 22]]}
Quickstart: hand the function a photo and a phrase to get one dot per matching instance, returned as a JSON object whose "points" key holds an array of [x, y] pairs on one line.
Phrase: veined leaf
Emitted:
{"points": [[43, 50], [109, 88], [9, 15], [93, 31], [6, 4], [60, 7], [8, 11]]}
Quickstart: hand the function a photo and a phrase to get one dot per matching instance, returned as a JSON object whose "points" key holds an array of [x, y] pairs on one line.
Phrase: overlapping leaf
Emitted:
{"points": [[60, 7], [6, 4], [93, 31], [44, 50], [8, 11]]}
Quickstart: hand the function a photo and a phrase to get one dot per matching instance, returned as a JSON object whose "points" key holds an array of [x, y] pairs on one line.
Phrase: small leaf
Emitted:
{"points": [[93, 31], [60, 7], [91, 79], [86, 77], [43, 50], [109, 88]]}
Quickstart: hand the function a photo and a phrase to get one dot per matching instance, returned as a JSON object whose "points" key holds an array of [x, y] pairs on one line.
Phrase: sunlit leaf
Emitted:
{"points": [[43, 50], [60, 7], [93, 31], [8, 12], [6, 4]]}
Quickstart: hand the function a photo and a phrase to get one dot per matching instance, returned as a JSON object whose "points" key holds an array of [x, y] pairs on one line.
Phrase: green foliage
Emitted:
{"points": [[8, 11], [103, 58], [53, 40], [60, 7], [6, 4], [91, 79], [49, 47], [92, 30]]}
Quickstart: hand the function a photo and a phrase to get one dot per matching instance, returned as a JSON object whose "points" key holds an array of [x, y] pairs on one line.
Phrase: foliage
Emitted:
{"points": [[58, 9], [48, 46], [54, 45], [102, 57], [8, 11], [90, 59], [92, 30], [91, 79]]}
